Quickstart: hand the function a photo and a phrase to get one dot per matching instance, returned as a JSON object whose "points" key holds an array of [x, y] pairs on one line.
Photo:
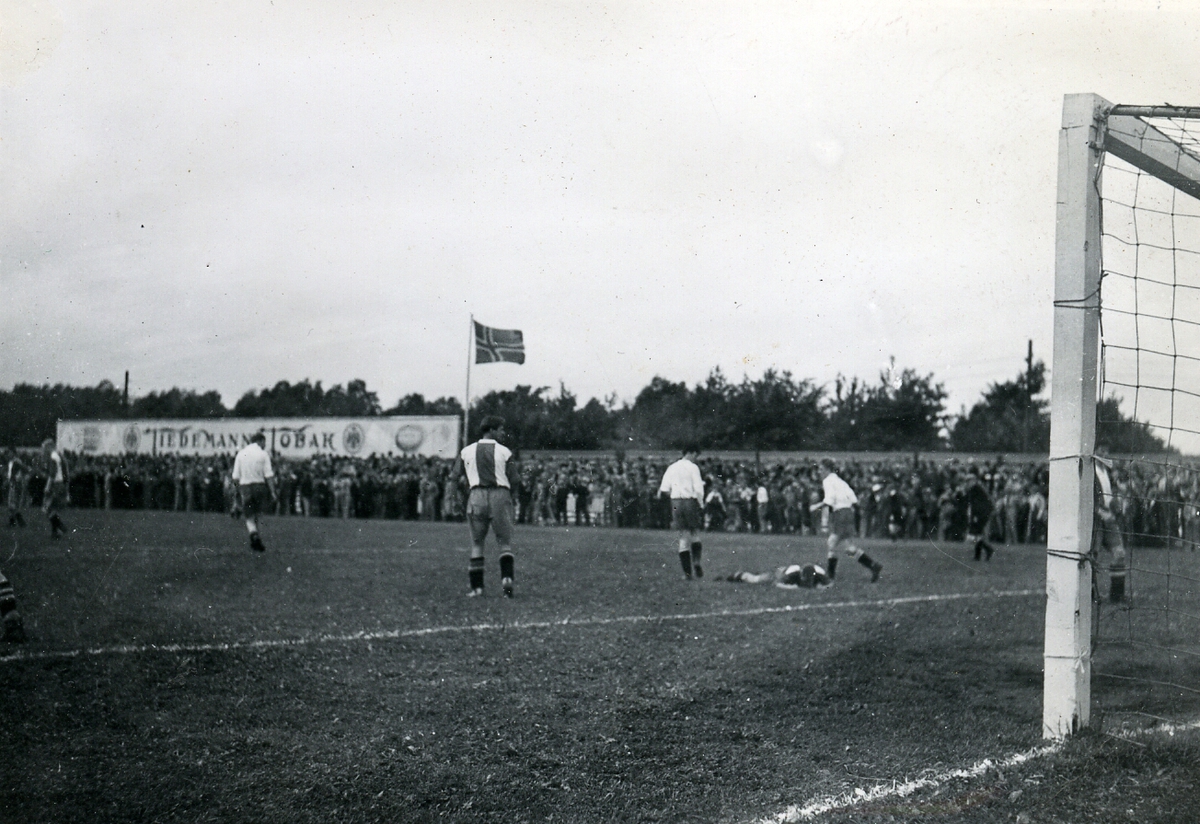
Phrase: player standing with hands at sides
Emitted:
{"points": [[255, 477], [17, 477], [683, 484], [840, 499], [54, 497], [1106, 529], [489, 504]]}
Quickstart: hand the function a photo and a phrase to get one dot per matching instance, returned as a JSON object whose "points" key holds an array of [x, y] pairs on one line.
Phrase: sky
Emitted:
{"points": [[222, 195]]}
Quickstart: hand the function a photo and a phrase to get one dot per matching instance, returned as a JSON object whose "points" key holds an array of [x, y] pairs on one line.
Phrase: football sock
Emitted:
{"points": [[696, 560], [56, 524], [506, 565], [475, 572], [685, 560], [831, 565], [978, 550]]}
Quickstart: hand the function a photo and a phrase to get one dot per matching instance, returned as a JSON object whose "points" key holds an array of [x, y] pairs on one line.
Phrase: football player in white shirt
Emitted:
{"points": [[255, 477], [55, 496], [685, 487], [841, 500], [17, 480]]}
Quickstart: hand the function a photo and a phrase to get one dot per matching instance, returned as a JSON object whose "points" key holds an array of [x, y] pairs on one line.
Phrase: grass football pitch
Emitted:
{"points": [[173, 675]]}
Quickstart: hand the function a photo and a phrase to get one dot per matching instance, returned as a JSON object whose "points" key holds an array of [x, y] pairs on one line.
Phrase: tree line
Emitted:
{"points": [[901, 410]]}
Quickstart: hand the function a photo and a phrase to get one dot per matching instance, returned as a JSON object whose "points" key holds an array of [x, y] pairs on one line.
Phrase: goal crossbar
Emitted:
{"points": [[1091, 127]]}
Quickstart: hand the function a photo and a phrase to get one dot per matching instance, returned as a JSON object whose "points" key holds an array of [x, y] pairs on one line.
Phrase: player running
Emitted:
{"points": [[841, 500]]}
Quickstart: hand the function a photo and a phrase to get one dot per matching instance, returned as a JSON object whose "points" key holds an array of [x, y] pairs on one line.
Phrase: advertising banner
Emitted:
{"points": [[425, 436]]}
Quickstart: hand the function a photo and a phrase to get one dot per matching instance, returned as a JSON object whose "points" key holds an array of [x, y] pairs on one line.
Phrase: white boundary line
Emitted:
{"points": [[858, 796], [387, 635]]}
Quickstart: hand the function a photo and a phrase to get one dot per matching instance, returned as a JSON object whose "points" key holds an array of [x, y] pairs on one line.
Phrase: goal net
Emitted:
{"points": [[1123, 575]]}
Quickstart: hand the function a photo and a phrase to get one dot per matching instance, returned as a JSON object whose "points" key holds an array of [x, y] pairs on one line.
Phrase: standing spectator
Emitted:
{"points": [[304, 491], [840, 500], [255, 477], [490, 504], [232, 504], [343, 492], [762, 500], [1035, 529], [597, 498], [54, 497], [714, 509], [17, 478], [685, 488], [428, 500]]}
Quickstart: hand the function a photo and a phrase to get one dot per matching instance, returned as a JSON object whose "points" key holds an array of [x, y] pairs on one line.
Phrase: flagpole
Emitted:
{"points": [[467, 398]]}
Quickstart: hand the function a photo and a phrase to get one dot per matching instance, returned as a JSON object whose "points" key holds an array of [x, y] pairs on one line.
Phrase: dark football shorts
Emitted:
{"points": [[256, 499], [686, 515], [490, 506], [841, 522]]}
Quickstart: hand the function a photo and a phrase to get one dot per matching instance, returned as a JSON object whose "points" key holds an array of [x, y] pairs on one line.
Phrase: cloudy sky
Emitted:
{"points": [[221, 195]]}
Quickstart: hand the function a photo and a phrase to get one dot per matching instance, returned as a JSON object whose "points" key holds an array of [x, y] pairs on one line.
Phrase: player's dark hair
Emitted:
{"points": [[259, 437], [490, 424], [690, 448]]}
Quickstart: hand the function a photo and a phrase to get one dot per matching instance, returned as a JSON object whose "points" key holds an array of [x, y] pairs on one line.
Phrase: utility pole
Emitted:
{"points": [[1028, 397]]}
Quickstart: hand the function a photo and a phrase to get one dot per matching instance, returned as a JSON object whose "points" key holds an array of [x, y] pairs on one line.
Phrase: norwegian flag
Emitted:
{"points": [[495, 345]]}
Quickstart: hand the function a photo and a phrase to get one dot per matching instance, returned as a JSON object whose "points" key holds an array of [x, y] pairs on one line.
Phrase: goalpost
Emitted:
{"points": [[1126, 338]]}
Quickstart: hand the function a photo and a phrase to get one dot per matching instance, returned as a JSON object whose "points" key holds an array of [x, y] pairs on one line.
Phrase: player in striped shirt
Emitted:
{"points": [[489, 504]]}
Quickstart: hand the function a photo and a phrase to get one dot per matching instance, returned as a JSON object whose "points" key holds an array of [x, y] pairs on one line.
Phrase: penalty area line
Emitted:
{"points": [[396, 634], [859, 796]]}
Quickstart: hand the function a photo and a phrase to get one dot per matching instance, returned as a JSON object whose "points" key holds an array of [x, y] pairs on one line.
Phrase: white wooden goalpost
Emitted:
{"points": [[1091, 126]]}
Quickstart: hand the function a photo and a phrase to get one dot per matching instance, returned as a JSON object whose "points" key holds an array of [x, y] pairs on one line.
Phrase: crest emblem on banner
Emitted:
{"points": [[408, 438], [353, 438], [132, 439]]}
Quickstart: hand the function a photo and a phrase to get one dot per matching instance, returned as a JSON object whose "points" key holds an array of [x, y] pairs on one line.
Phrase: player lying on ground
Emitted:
{"points": [[795, 576]]}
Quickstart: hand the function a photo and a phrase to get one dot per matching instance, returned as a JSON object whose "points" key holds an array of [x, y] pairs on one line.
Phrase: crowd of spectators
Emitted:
{"points": [[899, 498]]}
